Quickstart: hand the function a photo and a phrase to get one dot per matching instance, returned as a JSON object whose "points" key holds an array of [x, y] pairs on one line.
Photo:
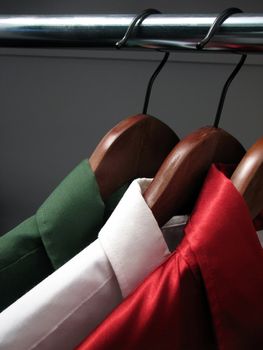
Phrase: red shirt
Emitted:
{"points": [[208, 295]]}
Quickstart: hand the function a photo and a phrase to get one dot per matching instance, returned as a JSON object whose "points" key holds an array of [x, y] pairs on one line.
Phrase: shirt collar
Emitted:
{"points": [[132, 239], [222, 236]]}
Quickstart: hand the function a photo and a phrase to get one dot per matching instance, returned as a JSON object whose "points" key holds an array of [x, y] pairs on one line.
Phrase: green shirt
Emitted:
{"points": [[67, 222]]}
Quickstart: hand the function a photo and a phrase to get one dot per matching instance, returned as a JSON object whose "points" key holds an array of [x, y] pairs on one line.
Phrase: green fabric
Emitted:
{"points": [[73, 212], [67, 221]]}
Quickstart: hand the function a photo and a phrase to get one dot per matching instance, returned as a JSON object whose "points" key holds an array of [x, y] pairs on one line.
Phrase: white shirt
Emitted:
{"points": [[65, 307]]}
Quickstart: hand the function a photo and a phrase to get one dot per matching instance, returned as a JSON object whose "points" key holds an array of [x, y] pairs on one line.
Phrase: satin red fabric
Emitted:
{"points": [[208, 295]]}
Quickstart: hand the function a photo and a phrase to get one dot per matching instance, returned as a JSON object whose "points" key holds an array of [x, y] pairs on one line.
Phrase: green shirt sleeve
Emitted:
{"points": [[23, 261], [66, 222]]}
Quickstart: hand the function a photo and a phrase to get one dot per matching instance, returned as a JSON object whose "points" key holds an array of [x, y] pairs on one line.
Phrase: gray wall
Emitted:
{"points": [[57, 105]]}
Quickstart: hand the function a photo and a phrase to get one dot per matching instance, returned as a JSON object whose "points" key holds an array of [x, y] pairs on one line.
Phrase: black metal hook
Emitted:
{"points": [[215, 26], [151, 81], [220, 19], [225, 89], [137, 20]]}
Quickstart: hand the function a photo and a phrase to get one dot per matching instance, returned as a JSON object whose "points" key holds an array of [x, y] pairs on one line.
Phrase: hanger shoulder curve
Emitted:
{"points": [[248, 178], [177, 183], [136, 147]]}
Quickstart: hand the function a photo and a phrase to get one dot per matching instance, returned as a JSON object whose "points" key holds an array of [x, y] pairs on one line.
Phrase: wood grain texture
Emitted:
{"points": [[176, 185], [136, 147], [248, 178]]}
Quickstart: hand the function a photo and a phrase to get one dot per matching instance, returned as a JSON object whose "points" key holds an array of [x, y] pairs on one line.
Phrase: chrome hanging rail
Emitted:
{"points": [[242, 32]]}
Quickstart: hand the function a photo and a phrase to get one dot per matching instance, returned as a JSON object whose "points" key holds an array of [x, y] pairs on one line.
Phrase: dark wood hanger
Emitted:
{"points": [[248, 178], [176, 185], [136, 147]]}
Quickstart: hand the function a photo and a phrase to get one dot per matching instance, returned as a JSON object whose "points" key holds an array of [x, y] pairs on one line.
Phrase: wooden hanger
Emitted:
{"points": [[137, 146], [248, 178], [178, 181], [176, 185]]}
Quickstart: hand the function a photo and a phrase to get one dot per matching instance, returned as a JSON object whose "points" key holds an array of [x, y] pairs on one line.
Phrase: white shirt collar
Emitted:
{"points": [[129, 232]]}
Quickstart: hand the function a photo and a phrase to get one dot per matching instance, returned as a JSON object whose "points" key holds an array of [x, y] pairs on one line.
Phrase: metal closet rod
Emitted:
{"points": [[241, 32]]}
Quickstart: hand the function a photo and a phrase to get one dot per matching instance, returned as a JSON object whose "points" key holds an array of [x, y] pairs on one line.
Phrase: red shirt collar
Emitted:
{"points": [[223, 238]]}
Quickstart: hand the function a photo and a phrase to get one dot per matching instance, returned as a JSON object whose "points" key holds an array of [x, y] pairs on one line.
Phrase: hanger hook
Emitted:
{"points": [[137, 20], [225, 89], [215, 26], [151, 81], [220, 19]]}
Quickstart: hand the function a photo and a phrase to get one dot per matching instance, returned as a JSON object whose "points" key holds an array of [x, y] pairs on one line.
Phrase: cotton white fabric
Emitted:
{"points": [[260, 237], [64, 308]]}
